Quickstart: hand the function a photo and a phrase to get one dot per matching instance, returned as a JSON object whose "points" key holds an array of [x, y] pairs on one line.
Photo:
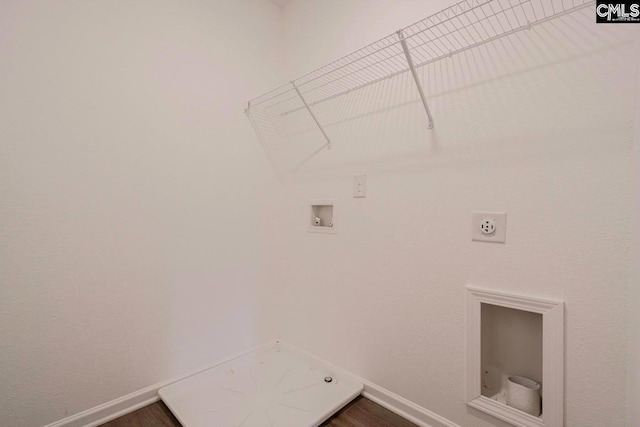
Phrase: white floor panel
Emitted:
{"points": [[272, 386]]}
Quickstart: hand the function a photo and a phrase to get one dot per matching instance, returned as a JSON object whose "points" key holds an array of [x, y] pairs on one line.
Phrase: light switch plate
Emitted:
{"points": [[360, 186], [489, 227]]}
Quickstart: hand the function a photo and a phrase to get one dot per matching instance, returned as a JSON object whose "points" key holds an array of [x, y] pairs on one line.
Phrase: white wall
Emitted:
{"points": [[130, 195], [634, 301], [131, 188], [538, 126]]}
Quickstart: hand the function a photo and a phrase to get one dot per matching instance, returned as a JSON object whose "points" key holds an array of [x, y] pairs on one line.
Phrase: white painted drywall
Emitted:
{"points": [[634, 300], [539, 127], [281, 3], [131, 190], [130, 195]]}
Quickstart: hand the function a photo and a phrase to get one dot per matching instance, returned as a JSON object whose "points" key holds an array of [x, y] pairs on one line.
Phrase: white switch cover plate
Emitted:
{"points": [[489, 226], [360, 186]]}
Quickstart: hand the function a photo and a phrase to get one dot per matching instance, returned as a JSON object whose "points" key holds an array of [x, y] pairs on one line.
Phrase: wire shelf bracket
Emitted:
{"points": [[414, 73], [313, 116]]}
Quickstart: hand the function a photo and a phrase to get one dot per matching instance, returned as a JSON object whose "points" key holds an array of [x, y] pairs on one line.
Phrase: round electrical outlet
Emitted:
{"points": [[488, 226]]}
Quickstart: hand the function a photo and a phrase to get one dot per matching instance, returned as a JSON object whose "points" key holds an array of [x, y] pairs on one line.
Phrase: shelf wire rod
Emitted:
{"points": [[524, 12], [438, 35], [450, 53], [392, 58], [349, 57], [403, 42], [506, 18], [343, 77], [360, 69], [341, 81], [426, 52], [472, 25], [265, 125], [290, 96], [339, 77], [437, 40], [507, 32], [485, 23], [443, 40], [374, 50], [395, 61], [480, 43], [274, 124], [533, 10], [270, 95], [440, 20], [369, 70], [367, 83], [263, 143], [352, 89], [464, 31], [443, 23], [511, 14], [430, 50], [347, 81], [497, 18], [313, 116], [300, 84], [520, 20], [481, 22], [454, 33], [338, 87], [326, 78], [324, 92], [432, 43], [450, 32]]}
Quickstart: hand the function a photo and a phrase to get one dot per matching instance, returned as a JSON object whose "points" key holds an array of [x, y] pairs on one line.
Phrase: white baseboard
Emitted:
{"points": [[111, 410], [116, 408], [403, 407], [383, 397], [126, 404]]}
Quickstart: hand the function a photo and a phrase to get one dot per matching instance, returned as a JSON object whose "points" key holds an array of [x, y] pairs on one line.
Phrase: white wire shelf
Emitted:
{"points": [[463, 26]]}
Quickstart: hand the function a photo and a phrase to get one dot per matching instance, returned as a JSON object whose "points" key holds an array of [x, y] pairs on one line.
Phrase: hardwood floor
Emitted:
{"points": [[360, 412], [154, 415]]}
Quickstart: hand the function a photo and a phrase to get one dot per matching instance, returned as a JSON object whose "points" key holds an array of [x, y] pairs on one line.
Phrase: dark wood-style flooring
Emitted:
{"points": [[361, 412]]}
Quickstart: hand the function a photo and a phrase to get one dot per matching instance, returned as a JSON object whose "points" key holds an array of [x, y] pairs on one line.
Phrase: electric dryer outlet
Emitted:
{"points": [[489, 226]]}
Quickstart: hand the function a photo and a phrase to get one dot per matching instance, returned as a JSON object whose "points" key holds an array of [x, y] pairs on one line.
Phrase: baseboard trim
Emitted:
{"points": [[126, 404], [123, 405], [385, 398], [405, 408], [111, 410]]}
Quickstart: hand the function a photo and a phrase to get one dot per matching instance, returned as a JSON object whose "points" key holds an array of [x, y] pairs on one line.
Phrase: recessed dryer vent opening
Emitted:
{"points": [[511, 345], [508, 337]]}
